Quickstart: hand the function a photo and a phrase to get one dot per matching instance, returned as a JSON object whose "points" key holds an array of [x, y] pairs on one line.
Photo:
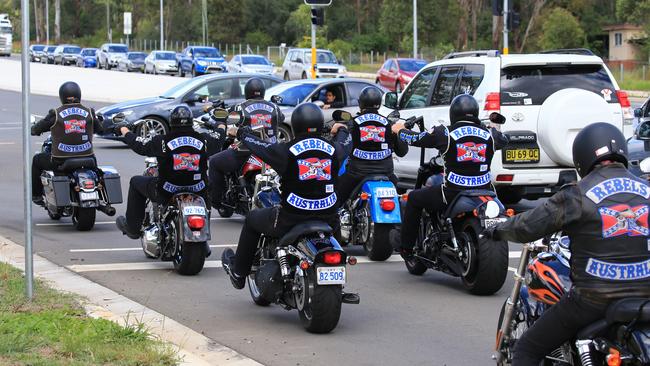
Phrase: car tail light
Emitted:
{"points": [[196, 222], [492, 102], [387, 205], [332, 257], [505, 177], [623, 99]]}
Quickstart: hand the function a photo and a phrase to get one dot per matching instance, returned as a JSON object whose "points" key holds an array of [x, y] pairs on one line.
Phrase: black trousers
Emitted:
{"points": [[557, 325], [41, 161], [141, 188], [350, 180], [427, 198], [226, 161], [270, 221]]}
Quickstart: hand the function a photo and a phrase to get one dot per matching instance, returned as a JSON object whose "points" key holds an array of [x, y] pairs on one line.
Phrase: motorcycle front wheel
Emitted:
{"points": [[319, 306]]}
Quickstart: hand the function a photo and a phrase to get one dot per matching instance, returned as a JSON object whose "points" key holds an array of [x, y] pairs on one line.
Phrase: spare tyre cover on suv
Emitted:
{"points": [[563, 114]]}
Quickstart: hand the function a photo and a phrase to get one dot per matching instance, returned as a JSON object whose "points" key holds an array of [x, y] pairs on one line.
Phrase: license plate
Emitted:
{"points": [[385, 192], [488, 223], [88, 196], [193, 210], [522, 155], [330, 275]]}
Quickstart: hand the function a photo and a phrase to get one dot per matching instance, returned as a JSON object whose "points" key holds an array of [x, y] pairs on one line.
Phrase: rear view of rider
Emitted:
{"points": [[605, 216], [308, 166], [182, 156], [72, 126], [467, 149], [373, 144], [255, 111]]}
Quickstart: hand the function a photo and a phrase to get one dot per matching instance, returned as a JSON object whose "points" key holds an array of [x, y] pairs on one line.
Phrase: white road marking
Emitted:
{"points": [[135, 249], [10, 128], [135, 266], [113, 222], [7, 143], [514, 254], [512, 269]]}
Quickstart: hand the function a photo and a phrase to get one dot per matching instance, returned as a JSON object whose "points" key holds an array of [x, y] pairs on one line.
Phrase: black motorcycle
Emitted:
{"points": [[542, 278], [79, 188], [305, 270], [449, 242]]}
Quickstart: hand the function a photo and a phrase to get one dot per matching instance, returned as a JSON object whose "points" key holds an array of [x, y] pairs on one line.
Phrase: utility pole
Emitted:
{"points": [[47, 22], [505, 27], [204, 12], [162, 36], [108, 21], [415, 28], [57, 21]]}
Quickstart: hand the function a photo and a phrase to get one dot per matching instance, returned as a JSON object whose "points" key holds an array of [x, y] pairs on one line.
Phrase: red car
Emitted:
{"points": [[396, 73]]}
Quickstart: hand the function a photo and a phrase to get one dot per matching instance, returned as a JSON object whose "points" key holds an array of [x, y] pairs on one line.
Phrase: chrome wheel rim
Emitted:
{"points": [[152, 127]]}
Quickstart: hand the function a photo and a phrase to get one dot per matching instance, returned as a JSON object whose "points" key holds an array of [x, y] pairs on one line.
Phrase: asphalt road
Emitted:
{"points": [[402, 319]]}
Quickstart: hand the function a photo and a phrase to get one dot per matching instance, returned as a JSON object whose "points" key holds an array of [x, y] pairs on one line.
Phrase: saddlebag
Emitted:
{"points": [[56, 188], [112, 185], [269, 281]]}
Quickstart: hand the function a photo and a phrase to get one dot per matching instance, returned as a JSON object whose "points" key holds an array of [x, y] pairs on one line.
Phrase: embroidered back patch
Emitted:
{"points": [[624, 220]]}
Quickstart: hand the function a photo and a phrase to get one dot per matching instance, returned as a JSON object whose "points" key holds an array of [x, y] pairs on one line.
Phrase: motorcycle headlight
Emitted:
{"points": [[202, 63]]}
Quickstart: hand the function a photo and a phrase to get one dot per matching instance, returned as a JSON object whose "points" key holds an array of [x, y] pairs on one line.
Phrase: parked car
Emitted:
{"points": [[134, 61], [296, 92], [87, 58], [395, 73], [197, 61], [546, 98], [48, 55], [110, 54], [251, 63], [297, 64], [161, 62], [66, 54], [196, 93], [36, 52]]}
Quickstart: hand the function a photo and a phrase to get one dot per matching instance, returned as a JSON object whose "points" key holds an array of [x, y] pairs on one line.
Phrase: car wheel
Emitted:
{"points": [[284, 133], [155, 72], [181, 73], [194, 73], [286, 75], [151, 127], [304, 75]]}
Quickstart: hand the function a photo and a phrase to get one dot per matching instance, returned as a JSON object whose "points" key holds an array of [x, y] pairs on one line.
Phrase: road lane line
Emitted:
{"points": [[7, 143], [133, 266], [135, 249], [113, 222]]}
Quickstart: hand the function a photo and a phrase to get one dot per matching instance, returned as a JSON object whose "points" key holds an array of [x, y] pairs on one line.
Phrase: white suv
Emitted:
{"points": [[297, 64], [547, 99]]}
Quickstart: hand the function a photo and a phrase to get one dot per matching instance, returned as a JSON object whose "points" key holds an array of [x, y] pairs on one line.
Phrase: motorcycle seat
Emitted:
{"points": [[368, 178], [626, 310], [304, 228], [71, 164], [451, 207]]}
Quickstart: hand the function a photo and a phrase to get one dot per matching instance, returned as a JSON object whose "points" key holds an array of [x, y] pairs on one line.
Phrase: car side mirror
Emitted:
{"points": [[497, 118], [340, 115], [390, 100], [340, 62], [119, 118], [638, 112], [299, 60], [273, 64], [643, 131], [276, 99], [195, 98], [238, 63], [393, 116]]}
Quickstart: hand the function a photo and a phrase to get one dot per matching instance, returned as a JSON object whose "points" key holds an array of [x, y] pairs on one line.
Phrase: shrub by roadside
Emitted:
{"points": [[53, 329]]}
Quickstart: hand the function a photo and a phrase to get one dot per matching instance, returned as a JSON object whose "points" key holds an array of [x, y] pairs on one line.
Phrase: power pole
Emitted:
{"points": [[108, 21], [47, 22], [57, 21], [162, 36], [205, 21], [415, 28], [505, 27]]}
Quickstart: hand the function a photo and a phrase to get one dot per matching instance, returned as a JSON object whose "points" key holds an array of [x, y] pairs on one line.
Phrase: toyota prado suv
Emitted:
{"points": [[546, 99]]}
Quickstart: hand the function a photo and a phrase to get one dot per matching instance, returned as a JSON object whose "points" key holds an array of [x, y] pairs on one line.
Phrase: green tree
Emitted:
{"points": [[561, 30]]}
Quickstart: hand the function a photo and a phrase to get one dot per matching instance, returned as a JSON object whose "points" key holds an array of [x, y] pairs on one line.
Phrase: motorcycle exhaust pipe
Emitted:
{"points": [[108, 210]]}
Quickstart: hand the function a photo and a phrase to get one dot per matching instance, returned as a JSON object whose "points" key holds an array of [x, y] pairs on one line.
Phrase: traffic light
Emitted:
{"points": [[317, 16], [514, 20], [318, 2]]}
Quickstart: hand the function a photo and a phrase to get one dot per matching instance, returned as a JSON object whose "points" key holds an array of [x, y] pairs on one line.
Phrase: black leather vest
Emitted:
{"points": [[184, 167], [610, 247], [468, 157], [72, 132], [258, 112], [308, 186]]}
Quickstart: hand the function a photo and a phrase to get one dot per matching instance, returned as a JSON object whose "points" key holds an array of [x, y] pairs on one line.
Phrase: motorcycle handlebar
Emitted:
{"points": [[409, 123]]}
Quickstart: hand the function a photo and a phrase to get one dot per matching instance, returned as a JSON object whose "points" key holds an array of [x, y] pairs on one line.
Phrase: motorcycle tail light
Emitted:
{"points": [[332, 258], [387, 205], [196, 222], [364, 196], [88, 184]]}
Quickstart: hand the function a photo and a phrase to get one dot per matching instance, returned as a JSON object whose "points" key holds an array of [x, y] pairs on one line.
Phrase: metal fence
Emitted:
{"points": [[229, 49]]}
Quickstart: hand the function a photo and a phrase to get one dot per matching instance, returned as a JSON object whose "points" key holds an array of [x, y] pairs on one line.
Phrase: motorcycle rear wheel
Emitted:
{"points": [[191, 258], [83, 218], [378, 246], [225, 212], [489, 265], [319, 306]]}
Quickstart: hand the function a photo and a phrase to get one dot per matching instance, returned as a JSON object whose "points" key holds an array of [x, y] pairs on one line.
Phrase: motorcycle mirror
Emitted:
{"points": [[497, 118], [339, 115], [393, 116], [119, 118], [276, 99], [219, 114], [645, 165], [492, 209], [390, 100]]}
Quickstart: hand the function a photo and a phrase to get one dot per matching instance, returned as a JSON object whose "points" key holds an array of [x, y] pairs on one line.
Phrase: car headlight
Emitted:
{"points": [[202, 63]]}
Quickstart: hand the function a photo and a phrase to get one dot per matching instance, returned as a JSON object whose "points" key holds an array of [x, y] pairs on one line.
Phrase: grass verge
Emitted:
{"points": [[54, 330]]}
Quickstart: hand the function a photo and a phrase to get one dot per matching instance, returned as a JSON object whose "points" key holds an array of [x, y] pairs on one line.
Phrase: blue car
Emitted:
{"points": [[200, 60], [87, 58]]}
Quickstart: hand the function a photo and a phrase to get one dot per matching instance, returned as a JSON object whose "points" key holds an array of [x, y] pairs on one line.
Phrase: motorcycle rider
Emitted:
{"points": [[373, 143], [254, 111], [72, 126], [605, 216], [182, 156], [308, 166], [467, 148]]}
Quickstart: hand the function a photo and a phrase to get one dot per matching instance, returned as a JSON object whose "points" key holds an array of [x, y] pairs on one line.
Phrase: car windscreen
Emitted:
{"points": [[253, 60], [180, 89], [73, 50], [292, 94], [206, 52], [322, 57], [531, 85], [118, 49], [411, 65], [51, 49], [137, 56], [169, 56], [38, 48], [89, 52]]}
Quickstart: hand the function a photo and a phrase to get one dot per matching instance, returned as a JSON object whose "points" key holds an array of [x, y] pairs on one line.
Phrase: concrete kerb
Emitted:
{"points": [[101, 302]]}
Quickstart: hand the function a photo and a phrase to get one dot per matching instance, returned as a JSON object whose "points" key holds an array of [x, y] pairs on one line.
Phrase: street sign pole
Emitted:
{"points": [[127, 26], [162, 37], [47, 22], [505, 27], [313, 50], [27, 172], [415, 28]]}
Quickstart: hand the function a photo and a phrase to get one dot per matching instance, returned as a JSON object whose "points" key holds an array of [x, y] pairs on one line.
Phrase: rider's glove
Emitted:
{"points": [[241, 130], [117, 129]]}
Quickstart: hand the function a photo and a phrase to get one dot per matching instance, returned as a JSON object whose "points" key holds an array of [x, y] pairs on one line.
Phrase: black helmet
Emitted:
{"points": [[597, 142], [370, 98], [307, 119], [181, 116], [463, 108], [70, 92], [254, 89]]}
